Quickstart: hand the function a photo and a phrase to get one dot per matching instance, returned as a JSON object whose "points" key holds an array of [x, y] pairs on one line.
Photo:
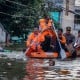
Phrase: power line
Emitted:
{"points": [[6, 14], [26, 6], [15, 15], [8, 6], [20, 16], [16, 3], [22, 5]]}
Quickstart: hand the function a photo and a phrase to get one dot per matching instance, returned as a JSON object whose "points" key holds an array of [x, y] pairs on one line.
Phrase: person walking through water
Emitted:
{"points": [[70, 39], [77, 43], [62, 41]]}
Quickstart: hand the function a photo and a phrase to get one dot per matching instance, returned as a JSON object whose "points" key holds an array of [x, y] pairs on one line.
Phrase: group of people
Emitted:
{"points": [[44, 38], [72, 40]]}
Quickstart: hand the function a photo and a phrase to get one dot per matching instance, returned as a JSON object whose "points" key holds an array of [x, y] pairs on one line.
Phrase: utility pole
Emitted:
{"points": [[67, 7], [67, 16]]}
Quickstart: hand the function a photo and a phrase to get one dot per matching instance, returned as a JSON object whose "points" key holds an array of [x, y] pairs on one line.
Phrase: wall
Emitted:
{"points": [[68, 20], [2, 35]]}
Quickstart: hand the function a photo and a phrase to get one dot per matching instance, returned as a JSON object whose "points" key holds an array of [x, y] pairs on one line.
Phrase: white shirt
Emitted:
{"points": [[77, 42]]}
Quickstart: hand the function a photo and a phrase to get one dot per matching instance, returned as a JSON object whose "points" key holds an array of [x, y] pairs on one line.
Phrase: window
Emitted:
{"points": [[77, 2], [55, 16], [77, 22]]}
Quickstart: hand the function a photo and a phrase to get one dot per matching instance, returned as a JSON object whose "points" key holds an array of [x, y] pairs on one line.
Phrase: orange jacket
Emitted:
{"points": [[30, 39], [63, 40], [35, 39], [49, 32]]}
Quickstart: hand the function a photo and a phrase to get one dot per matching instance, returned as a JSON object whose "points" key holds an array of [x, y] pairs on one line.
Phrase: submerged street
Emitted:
{"points": [[16, 67], [33, 29]]}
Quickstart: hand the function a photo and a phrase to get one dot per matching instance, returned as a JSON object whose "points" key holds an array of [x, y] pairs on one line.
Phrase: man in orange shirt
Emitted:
{"points": [[32, 36], [34, 40], [46, 25]]}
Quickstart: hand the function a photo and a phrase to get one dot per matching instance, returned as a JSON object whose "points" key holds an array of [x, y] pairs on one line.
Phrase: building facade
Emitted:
{"points": [[73, 17], [4, 35], [70, 14], [77, 15], [68, 17], [56, 11]]}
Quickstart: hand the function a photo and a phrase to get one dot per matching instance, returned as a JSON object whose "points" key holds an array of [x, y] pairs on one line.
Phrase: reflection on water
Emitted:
{"points": [[34, 70], [38, 69], [13, 67]]}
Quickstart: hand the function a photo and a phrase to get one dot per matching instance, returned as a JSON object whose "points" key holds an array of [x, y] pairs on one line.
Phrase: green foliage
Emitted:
{"points": [[20, 15]]}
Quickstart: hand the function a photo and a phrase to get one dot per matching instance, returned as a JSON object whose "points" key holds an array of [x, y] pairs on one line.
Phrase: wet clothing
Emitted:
{"points": [[46, 26], [63, 39], [77, 42], [69, 38], [49, 32], [30, 39], [63, 42], [34, 41], [46, 45]]}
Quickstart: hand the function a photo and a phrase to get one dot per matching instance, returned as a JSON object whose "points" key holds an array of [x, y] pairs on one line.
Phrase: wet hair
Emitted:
{"points": [[68, 28], [60, 29], [46, 16]]}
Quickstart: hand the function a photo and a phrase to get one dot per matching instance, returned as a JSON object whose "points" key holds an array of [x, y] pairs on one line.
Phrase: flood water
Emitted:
{"points": [[15, 66]]}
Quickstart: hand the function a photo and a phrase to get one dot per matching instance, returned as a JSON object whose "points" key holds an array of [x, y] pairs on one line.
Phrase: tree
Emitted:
{"points": [[18, 16]]}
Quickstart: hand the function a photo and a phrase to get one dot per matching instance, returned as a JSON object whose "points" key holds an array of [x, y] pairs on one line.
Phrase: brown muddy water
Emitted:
{"points": [[17, 67]]}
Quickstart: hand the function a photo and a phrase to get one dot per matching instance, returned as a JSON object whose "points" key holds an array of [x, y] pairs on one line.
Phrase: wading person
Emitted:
{"points": [[77, 43], [70, 39]]}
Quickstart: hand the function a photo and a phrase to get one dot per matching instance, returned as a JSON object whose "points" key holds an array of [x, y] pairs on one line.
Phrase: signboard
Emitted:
{"points": [[77, 2], [55, 16]]}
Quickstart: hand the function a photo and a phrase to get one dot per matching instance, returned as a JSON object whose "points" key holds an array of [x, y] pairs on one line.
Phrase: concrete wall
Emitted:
{"points": [[2, 35], [68, 20]]}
